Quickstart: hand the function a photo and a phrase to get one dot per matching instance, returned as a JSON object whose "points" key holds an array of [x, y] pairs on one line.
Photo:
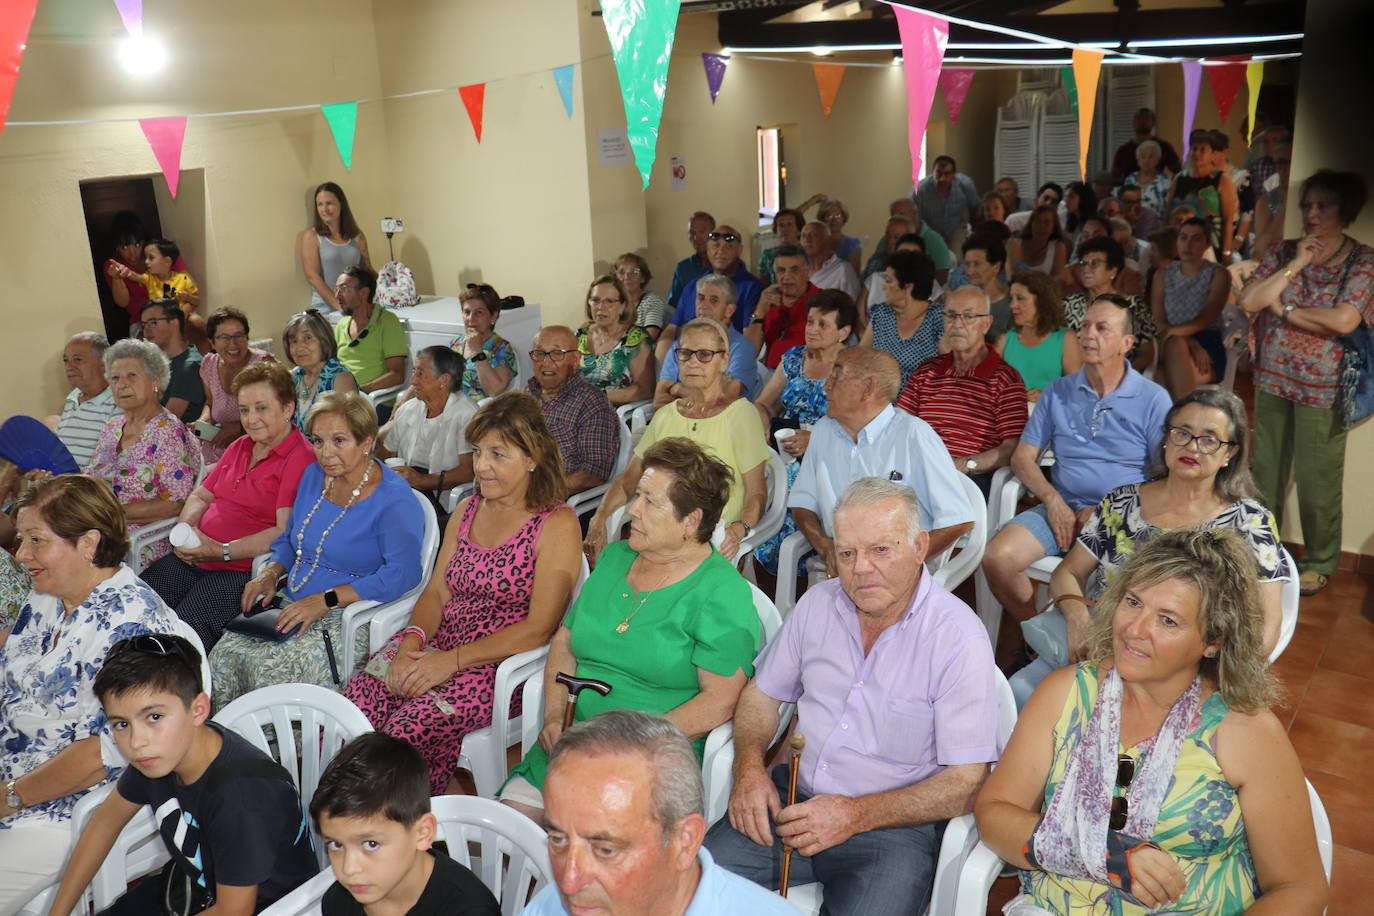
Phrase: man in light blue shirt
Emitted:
{"points": [[624, 809], [948, 201], [715, 298], [1105, 424], [863, 435]]}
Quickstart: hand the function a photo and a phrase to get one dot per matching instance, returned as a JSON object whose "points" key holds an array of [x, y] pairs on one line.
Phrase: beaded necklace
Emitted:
{"points": [[319, 548]]}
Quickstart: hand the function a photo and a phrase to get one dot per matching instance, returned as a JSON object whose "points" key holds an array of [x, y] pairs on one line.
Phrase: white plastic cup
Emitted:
{"points": [[183, 536], [395, 462], [782, 436]]}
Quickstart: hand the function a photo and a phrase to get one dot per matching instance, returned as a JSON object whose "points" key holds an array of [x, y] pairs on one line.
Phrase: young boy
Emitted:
{"points": [[229, 815], [372, 808]]}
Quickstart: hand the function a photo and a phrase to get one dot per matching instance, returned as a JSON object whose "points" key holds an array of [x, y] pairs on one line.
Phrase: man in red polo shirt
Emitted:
{"points": [[780, 319], [970, 395]]}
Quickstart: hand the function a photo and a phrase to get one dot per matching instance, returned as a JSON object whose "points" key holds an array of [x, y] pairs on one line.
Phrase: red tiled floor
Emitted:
{"points": [[1349, 883]]}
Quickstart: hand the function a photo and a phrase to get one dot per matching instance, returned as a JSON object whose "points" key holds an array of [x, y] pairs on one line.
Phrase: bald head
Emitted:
{"points": [[552, 374]]}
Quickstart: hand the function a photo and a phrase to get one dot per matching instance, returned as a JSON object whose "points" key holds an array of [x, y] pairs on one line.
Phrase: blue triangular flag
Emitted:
{"points": [[562, 76]]}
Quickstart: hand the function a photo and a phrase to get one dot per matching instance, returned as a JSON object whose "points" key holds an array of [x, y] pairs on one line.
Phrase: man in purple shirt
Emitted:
{"points": [[895, 692]]}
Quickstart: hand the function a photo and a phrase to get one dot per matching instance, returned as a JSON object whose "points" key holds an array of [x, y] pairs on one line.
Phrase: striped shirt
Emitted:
{"points": [[972, 411], [82, 422]]}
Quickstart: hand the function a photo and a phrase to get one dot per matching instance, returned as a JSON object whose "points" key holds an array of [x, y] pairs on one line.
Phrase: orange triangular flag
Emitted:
{"points": [[1087, 66], [474, 98], [828, 78]]}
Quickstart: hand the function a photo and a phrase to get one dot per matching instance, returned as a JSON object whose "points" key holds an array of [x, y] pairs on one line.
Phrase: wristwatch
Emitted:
{"points": [[331, 599], [12, 799], [224, 551], [479, 358], [747, 527], [971, 466], [1288, 310]]}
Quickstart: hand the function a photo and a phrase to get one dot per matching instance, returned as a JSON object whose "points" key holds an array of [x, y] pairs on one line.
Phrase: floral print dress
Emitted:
{"points": [[499, 353], [14, 589], [1200, 821], [162, 464], [803, 399], [46, 670]]}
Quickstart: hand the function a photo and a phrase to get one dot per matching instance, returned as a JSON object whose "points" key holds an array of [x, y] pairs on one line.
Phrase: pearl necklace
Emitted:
{"points": [[319, 548]]}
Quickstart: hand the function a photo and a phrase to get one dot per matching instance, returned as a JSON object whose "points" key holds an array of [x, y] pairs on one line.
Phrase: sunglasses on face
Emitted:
{"points": [[722, 237]]}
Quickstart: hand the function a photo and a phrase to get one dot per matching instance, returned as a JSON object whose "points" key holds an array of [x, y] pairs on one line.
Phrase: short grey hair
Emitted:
{"points": [[722, 282], [153, 360], [869, 491], [706, 324], [973, 292], [99, 344], [446, 361], [677, 789], [315, 324], [1151, 144]]}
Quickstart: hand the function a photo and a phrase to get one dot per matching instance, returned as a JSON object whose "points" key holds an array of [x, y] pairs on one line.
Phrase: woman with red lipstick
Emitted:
{"points": [[1205, 484], [72, 542], [227, 329], [1305, 294]]}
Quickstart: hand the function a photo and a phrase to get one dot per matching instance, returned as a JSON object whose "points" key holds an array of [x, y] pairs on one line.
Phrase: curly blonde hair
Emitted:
{"points": [[1221, 567]]}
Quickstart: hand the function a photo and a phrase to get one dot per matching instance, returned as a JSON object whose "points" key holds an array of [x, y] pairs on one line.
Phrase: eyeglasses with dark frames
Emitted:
{"points": [[701, 356], [1207, 444], [359, 339], [722, 237], [538, 356]]}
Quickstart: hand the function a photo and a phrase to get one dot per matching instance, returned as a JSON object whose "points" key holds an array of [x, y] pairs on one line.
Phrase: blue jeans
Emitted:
{"points": [[887, 871]]}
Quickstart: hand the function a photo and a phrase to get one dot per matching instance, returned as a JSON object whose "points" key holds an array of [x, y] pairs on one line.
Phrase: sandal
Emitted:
{"points": [[1309, 583]]}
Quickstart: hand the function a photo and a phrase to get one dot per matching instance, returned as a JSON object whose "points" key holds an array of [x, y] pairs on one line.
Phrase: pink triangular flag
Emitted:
{"points": [[165, 136], [15, 20], [474, 100], [923, 49], [131, 11], [1226, 80], [954, 81]]}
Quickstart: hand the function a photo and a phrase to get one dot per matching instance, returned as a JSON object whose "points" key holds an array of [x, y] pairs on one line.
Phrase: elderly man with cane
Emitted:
{"points": [[895, 692]]}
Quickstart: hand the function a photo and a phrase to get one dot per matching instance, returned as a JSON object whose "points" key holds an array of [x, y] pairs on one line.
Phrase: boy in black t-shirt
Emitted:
{"points": [[372, 808], [229, 815]]}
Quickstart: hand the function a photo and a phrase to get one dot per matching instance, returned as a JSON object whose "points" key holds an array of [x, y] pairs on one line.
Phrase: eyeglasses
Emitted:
{"points": [[722, 237], [954, 318], [151, 321], [228, 338], [1208, 445], [628, 272], [701, 356], [1125, 772], [359, 339], [163, 646], [594, 300], [538, 356], [345, 286]]}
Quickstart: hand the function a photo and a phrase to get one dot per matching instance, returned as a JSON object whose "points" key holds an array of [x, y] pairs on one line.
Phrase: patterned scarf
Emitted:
{"points": [[1072, 838]]}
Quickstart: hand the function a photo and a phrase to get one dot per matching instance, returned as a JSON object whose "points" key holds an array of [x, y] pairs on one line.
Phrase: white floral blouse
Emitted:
{"points": [[46, 670]]}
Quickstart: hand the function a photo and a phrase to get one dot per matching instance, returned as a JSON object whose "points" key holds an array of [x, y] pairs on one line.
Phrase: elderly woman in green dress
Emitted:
{"points": [[665, 619]]}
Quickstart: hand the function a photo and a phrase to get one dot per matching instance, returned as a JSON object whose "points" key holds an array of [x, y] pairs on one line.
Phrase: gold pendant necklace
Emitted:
{"points": [[643, 596]]}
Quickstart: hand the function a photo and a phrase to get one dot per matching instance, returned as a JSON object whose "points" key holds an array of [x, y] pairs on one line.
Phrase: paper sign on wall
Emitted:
{"points": [[679, 173], [613, 147]]}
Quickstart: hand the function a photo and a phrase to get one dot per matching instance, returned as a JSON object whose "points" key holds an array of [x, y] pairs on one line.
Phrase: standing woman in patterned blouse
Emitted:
{"points": [[145, 453], [1306, 293], [506, 570], [616, 354]]}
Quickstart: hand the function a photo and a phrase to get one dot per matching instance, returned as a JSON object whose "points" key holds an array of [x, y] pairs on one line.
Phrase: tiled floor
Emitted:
{"points": [[1328, 671]]}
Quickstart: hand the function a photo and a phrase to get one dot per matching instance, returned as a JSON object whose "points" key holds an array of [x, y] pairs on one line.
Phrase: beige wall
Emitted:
{"points": [[250, 176]]}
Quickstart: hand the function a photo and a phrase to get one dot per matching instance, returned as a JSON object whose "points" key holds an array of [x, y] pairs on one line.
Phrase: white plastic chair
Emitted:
{"points": [[627, 412], [1290, 596], [325, 720], [959, 842], [156, 531], [512, 859], [1006, 491], [588, 500]]}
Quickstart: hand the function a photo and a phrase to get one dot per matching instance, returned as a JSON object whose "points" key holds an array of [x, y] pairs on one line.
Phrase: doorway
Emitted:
{"points": [[102, 200]]}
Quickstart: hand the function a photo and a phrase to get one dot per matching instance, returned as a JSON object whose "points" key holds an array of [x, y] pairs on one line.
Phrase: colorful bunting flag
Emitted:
{"points": [[955, 83], [15, 18], [923, 49], [165, 136], [562, 78], [1226, 80], [343, 121], [828, 78], [131, 11], [474, 99], [1087, 67], [1192, 83], [641, 33], [715, 72], [1254, 77], [1070, 88]]}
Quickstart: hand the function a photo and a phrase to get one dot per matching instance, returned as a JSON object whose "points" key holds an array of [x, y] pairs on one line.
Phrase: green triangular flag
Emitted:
{"points": [[641, 33], [1070, 88], [343, 120]]}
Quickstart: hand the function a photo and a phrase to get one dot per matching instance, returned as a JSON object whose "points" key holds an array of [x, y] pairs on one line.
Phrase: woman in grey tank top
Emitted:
{"points": [[332, 245]]}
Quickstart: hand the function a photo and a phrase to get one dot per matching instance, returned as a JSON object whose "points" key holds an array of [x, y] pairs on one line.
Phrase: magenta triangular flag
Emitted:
{"points": [[954, 81], [131, 11], [1226, 80], [1192, 82], [715, 72], [165, 136], [923, 48]]}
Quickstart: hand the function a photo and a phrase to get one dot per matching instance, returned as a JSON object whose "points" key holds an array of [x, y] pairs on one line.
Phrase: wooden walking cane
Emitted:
{"points": [[575, 686], [798, 742]]}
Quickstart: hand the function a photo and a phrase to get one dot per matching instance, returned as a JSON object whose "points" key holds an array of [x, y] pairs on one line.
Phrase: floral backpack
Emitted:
{"points": [[395, 286]]}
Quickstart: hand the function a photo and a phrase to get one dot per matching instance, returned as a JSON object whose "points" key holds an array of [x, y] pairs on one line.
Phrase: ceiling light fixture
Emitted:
{"points": [[142, 56], [1207, 42]]}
